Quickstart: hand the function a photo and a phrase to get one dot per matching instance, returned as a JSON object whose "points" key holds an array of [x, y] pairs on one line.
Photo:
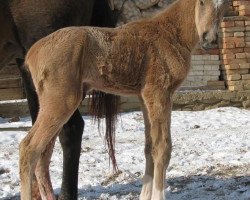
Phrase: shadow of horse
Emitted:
{"points": [[202, 187]]}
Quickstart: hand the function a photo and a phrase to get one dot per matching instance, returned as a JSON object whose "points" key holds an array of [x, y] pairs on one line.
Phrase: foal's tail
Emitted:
{"points": [[106, 105]]}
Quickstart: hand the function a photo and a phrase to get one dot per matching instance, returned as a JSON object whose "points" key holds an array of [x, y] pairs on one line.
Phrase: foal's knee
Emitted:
{"points": [[162, 151]]}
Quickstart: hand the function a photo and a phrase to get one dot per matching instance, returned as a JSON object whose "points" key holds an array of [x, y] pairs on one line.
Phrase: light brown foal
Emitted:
{"points": [[148, 58]]}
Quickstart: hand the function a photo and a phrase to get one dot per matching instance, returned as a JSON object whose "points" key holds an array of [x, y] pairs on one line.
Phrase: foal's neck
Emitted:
{"points": [[181, 15]]}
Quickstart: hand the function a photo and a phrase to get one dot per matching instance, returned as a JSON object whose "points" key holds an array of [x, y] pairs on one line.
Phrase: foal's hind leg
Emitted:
{"points": [[42, 172], [57, 104], [31, 96], [159, 105], [31, 149], [146, 192]]}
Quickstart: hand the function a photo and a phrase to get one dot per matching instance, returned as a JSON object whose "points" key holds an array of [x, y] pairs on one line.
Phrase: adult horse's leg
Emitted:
{"points": [[159, 105], [146, 192], [29, 89], [71, 139], [71, 136]]}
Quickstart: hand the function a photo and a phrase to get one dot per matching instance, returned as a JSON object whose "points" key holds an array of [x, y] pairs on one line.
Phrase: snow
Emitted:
{"points": [[210, 158]]}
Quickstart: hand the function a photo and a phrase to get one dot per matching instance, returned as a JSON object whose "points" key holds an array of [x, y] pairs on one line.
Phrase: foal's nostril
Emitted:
{"points": [[204, 36], [215, 41]]}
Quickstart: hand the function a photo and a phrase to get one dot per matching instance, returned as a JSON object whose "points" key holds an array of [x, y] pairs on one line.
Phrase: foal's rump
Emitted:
{"points": [[56, 57]]}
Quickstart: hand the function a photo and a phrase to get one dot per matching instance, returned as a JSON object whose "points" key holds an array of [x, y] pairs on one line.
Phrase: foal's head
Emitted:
{"points": [[208, 14], [9, 46]]}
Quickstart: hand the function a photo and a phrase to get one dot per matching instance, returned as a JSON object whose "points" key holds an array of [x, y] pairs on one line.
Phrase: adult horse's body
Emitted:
{"points": [[22, 24], [149, 58]]}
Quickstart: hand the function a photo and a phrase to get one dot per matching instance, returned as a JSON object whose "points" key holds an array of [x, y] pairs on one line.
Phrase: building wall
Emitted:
{"points": [[235, 46]]}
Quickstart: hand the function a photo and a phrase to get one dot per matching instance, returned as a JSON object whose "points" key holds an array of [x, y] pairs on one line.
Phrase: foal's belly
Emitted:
{"points": [[117, 88], [123, 74]]}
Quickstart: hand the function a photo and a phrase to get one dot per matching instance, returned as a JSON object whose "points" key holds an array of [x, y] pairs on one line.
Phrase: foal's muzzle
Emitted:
{"points": [[209, 41]]}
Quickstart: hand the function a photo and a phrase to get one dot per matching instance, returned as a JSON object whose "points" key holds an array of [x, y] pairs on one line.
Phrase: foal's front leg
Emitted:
{"points": [[146, 192], [159, 106]]}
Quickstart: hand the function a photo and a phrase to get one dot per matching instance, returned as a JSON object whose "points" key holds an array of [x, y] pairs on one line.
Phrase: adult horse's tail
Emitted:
{"points": [[106, 105], [102, 104]]}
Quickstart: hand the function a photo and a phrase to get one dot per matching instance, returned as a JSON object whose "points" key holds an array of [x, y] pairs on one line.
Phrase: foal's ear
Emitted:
{"points": [[111, 4]]}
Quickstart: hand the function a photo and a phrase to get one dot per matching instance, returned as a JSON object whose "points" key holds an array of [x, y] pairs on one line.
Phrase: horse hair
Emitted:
{"points": [[103, 104]]}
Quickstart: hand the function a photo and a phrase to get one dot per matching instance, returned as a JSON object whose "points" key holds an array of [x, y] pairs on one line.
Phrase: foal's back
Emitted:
{"points": [[111, 56], [112, 60]]}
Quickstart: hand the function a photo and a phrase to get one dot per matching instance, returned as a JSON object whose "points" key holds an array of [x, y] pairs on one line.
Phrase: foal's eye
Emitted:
{"points": [[202, 2]]}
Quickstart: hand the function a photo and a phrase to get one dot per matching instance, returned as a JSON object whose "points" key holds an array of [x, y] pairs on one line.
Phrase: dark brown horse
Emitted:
{"points": [[22, 24]]}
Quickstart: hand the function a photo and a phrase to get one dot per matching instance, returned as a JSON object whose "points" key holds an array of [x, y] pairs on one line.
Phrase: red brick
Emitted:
{"points": [[244, 7], [244, 12], [246, 77], [228, 51], [233, 29], [240, 44], [231, 72], [233, 39], [230, 66], [241, 55], [247, 44], [233, 61], [244, 65], [234, 77], [228, 56], [239, 23], [239, 3], [236, 88], [247, 49], [230, 45], [227, 24], [231, 83]]}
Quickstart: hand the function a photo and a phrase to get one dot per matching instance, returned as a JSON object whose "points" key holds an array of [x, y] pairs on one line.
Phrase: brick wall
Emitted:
{"points": [[235, 46], [204, 73]]}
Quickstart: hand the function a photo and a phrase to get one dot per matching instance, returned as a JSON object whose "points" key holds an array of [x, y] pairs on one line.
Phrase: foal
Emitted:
{"points": [[148, 58]]}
